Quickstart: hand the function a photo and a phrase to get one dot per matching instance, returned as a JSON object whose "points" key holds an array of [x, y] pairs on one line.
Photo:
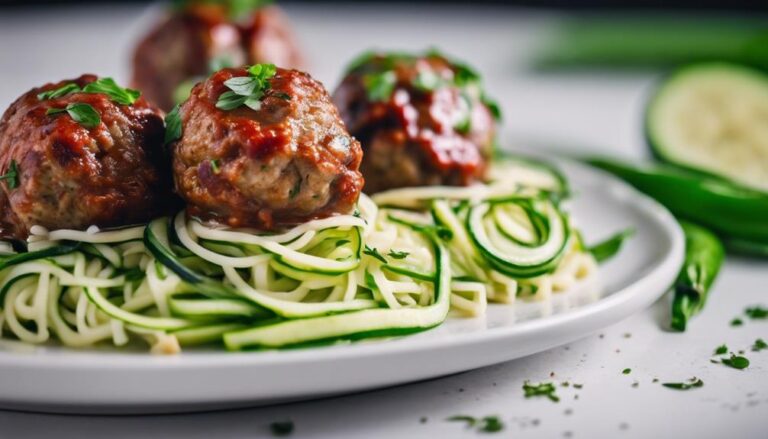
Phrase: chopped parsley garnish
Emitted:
{"points": [[84, 114], [469, 420], [379, 86], [737, 322], [626, 371], [172, 125], [247, 90], [758, 346], [296, 188], [374, 253], [282, 428], [757, 312], [108, 86], [721, 350], [12, 175], [215, 166], [542, 389], [397, 255], [736, 362], [236, 9], [693, 383], [491, 424], [59, 92]]}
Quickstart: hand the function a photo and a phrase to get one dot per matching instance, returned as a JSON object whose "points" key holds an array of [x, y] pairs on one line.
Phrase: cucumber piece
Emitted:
{"points": [[211, 309], [713, 118], [353, 325], [114, 311]]}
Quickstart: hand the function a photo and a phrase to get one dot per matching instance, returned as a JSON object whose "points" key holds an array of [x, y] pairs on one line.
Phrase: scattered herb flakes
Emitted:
{"points": [[757, 312], [693, 383], [736, 362], [423, 420], [491, 424], [737, 322], [398, 255], [627, 335], [655, 380], [626, 371], [721, 350], [469, 420], [565, 384], [542, 389], [636, 384], [578, 386], [215, 167], [374, 253], [282, 428], [12, 175], [380, 86], [759, 345]]}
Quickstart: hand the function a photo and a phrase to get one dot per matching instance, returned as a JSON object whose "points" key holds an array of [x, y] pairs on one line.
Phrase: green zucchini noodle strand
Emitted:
{"points": [[392, 267]]}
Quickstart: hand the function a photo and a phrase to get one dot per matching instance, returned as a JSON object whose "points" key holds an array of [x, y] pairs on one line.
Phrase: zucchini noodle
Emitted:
{"points": [[397, 265]]}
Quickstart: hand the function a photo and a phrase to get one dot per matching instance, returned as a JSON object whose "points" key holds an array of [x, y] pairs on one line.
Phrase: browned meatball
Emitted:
{"points": [[184, 46], [61, 173], [290, 161], [422, 120]]}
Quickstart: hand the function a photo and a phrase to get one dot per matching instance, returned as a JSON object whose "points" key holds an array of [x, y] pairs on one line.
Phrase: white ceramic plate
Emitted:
{"points": [[53, 379]]}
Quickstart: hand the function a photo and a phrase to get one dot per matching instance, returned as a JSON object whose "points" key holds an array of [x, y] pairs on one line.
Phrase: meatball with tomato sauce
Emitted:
{"points": [[264, 147], [422, 120], [80, 152], [200, 36]]}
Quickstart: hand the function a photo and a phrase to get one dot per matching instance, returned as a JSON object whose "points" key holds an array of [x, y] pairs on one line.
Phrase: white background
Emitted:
{"points": [[597, 112]]}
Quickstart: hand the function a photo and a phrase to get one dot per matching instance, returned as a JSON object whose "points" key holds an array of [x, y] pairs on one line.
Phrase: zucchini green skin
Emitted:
{"points": [[56, 250], [650, 42], [703, 258], [678, 78], [730, 211], [353, 325]]}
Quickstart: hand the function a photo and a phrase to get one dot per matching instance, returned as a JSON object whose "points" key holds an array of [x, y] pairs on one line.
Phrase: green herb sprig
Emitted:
{"points": [[397, 254], [82, 113], [172, 125], [374, 253], [12, 175], [248, 90], [487, 424], [107, 86], [759, 345], [736, 362]]}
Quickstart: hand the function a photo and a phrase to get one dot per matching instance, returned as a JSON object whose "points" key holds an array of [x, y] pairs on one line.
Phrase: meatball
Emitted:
{"points": [[288, 161], [202, 36], [61, 173], [422, 120]]}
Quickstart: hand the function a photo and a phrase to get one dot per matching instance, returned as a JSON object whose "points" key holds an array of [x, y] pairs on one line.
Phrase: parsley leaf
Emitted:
{"points": [[542, 389], [737, 322], [108, 86], [691, 384], [172, 125], [398, 255], [379, 86], [84, 114], [282, 428], [240, 9], [626, 371], [59, 92], [758, 346], [373, 252], [736, 362], [12, 175], [721, 350], [247, 90], [608, 248]]}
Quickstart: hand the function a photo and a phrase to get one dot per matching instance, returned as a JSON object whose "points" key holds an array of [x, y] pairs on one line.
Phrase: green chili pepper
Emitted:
{"points": [[703, 258], [730, 211]]}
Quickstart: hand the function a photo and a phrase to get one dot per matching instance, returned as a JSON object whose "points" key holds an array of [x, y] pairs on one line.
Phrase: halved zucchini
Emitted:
{"points": [[713, 118]]}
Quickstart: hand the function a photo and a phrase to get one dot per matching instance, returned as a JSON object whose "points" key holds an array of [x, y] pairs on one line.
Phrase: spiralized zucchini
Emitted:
{"points": [[394, 267]]}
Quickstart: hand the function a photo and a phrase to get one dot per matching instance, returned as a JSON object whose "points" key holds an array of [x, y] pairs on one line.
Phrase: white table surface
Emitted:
{"points": [[600, 111]]}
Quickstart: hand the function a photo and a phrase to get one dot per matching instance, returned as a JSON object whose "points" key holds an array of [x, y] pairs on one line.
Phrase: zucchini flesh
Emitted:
{"points": [[354, 325], [713, 118]]}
